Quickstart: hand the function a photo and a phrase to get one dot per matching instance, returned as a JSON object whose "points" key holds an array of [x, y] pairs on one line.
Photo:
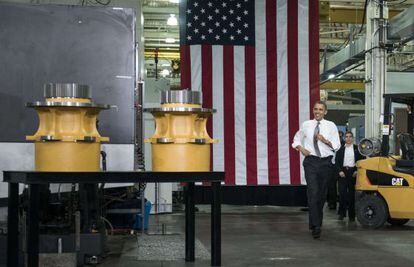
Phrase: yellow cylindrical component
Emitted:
{"points": [[67, 156], [181, 141], [67, 138], [180, 157]]}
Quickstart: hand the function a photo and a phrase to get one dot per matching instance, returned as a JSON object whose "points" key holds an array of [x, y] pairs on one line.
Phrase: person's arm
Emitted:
{"points": [[332, 140], [298, 142], [358, 155], [339, 161], [297, 139], [324, 140]]}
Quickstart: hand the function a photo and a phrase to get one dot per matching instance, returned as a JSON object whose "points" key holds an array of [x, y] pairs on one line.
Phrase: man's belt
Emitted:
{"points": [[319, 158], [348, 168]]}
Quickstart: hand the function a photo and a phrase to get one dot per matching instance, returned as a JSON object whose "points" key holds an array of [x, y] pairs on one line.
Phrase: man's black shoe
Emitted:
{"points": [[316, 232], [340, 217]]}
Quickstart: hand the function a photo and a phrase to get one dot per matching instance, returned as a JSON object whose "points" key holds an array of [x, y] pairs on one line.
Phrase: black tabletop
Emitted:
{"points": [[36, 177]]}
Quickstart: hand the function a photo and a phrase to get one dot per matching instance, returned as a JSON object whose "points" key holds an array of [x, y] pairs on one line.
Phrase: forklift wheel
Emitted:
{"points": [[397, 222], [371, 211]]}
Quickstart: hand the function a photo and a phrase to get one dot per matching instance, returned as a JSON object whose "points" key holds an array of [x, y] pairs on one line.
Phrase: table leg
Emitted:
{"points": [[216, 224], [189, 222], [13, 226], [33, 226]]}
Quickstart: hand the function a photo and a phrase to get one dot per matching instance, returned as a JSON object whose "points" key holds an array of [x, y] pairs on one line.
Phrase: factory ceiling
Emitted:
{"points": [[340, 23]]}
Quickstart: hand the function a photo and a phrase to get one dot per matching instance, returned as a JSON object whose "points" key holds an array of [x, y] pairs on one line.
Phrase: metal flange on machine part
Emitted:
{"points": [[67, 138], [181, 141]]}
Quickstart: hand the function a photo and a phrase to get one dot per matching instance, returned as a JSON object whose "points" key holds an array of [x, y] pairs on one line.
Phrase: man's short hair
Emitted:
{"points": [[320, 102], [349, 132]]}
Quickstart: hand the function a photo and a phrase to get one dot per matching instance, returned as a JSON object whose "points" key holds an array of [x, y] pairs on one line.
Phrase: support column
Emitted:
{"points": [[375, 66]]}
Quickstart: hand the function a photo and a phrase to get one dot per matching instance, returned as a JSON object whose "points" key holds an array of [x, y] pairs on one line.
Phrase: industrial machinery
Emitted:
{"points": [[67, 139], [181, 141], [385, 183]]}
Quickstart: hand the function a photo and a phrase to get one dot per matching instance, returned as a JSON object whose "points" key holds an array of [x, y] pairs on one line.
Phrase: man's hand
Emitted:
{"points": [[342, 174], [355, 174], [304, 151], [324, 140]]}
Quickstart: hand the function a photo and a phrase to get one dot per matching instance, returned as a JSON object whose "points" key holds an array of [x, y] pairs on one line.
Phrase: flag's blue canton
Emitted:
{"points": [[227, 22]]}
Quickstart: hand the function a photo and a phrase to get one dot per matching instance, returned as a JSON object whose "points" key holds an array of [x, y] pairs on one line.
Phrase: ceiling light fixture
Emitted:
{"points": [[331, 76], [172, 20], [165, 73], [174, 1]]}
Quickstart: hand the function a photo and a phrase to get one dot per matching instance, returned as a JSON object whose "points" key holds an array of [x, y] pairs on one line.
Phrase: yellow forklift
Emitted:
{"points": [[385, 183]]}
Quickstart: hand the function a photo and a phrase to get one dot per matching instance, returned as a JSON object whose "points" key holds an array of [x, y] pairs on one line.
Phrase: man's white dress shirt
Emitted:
{"points": [[349, 157], [304, 137]]}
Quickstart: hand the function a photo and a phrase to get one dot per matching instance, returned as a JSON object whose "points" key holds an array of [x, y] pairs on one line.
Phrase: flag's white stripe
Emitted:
{"points": [[240, 116], [303, 64], [282, 93], [261, 93], [195, 55], [196, 70], [218, 119]]}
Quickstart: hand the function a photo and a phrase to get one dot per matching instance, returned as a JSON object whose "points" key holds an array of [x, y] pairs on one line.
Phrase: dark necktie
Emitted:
{"points": [[315, 140]]}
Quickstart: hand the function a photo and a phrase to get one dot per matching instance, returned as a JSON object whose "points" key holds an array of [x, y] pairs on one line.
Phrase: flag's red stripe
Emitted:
{"points": [[207, 86], [271, 66], [228, 102], [250, 114], [185, 67], [313, 53], [293, 112]]}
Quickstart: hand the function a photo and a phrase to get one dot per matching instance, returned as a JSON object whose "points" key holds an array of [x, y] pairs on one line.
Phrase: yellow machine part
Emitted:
{"points": [[181, 141], [72, 140], [180, 157], [179, 127], [67, 156], [362, 181], [399, 198], [67, 123]]}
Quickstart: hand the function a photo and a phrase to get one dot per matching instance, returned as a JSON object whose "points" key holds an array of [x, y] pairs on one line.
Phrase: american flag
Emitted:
{"points": [[257, 63]]}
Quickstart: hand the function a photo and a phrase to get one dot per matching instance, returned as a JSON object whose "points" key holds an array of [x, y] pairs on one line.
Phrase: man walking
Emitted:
{"points": [[333, 181], [317, 140], [346, 158]]}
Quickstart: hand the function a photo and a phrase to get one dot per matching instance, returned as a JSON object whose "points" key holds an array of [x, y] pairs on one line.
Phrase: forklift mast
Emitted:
{"points": [[407, 99]]}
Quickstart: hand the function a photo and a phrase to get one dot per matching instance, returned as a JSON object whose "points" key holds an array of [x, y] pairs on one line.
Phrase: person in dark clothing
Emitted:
{"points": [[345, 163], [333, 190], [333, 181]]}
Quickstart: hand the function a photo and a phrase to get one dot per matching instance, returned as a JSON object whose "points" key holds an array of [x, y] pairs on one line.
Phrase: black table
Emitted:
{"points": [[34, 179]]}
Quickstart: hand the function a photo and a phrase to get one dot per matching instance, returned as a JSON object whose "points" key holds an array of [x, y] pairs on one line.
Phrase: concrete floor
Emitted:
{"points": [[279, 236]]}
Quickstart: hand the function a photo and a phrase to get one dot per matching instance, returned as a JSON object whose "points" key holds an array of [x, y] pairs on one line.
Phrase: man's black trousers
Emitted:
{"points": [[333, 190], [318, 171], [347, 193]]}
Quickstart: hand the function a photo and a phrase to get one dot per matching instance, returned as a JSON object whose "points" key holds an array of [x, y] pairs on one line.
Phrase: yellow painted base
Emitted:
{"points": [[166, 157], [67, 156]]}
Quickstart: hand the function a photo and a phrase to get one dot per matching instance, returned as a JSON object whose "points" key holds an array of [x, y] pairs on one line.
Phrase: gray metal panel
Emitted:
{"points": [[352, 54], [402, 25], [86, 45], [400, 83]]}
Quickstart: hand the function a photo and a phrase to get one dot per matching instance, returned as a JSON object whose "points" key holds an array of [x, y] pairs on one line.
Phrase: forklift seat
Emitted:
{"points": [[406, 163], [407, 146]]}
